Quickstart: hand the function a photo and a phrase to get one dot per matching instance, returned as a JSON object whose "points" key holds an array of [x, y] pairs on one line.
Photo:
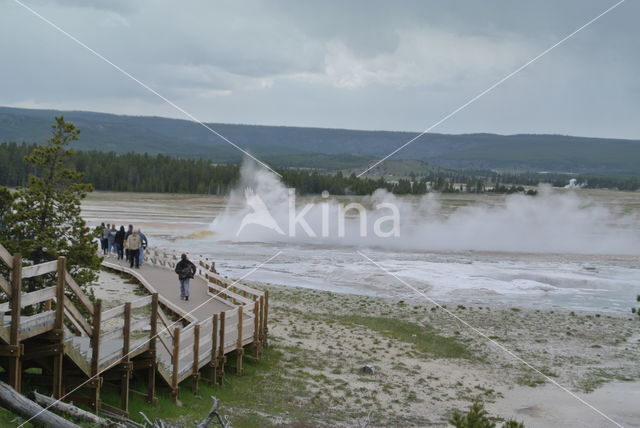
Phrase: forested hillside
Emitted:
{"points": [[328, 149], [162, 173]]}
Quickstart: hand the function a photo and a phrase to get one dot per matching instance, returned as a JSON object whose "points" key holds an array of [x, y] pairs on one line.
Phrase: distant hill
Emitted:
{"points": [[329, 148]]}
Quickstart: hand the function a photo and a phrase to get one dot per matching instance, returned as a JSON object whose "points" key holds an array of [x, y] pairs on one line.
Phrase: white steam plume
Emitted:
{"points": [[552, 222]]}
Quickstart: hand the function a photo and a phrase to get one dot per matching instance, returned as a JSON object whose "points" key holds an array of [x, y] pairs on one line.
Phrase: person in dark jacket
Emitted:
{"points": [[120, 243], [185, 270]]}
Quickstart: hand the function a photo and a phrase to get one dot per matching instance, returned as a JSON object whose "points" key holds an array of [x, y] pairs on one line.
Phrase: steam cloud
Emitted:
{"points": [[552, 222]]}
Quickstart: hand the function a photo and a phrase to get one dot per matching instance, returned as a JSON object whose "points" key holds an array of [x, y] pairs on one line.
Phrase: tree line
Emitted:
{"points": [[134, 172]]}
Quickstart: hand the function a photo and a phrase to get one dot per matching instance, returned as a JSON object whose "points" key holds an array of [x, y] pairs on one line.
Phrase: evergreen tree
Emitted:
{"points": [[45, 222], [6, 199]]}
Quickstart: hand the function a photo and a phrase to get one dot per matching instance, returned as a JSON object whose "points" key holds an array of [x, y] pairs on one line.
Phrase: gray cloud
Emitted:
{"points": [[358, 64]]}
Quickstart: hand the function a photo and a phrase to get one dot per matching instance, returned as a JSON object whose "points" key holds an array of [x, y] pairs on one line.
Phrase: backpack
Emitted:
{"points": [[185, 272]]}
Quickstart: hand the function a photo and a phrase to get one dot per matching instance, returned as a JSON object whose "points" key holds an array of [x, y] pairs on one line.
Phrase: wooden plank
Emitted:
{"points": [[177, 310], [240, 326], [223, 317], [227, 292], [196, 353], [95, 353], [265, 317], [175, 362], [9, 350], [151, 376], [237, 285], [14, 332], [113, 312], [116, 333], [143, 301], [256, 325], [37, 296], [5, 286], [164, 342], [6, 257], [166, 322], [68, 279], [153, 323], [58, 360], [214, 338], [80, 329], [60, 293], [39, 269], [126, 376], [77, 316], [140, 324]]}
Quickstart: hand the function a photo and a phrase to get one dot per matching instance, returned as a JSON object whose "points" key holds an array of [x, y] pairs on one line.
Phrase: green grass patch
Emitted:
{"points": [[424, 338], [269, 389]]}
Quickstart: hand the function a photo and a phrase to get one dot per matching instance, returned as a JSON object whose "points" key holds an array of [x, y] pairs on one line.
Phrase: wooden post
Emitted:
{"points": [[175, 360], [239, 348], [95, 355], [58, 360], [261, 319], [221, 358], [256, 327], [126, 369], [14, 333], [196, 357], [151, 385], [266, 318], [214, 349]]}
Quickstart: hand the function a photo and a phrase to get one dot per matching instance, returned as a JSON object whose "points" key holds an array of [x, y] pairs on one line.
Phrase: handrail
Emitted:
{"points": [[113, 312], [37, 296], [227, 292], [73, 285], [39, 269], [143, 301], [73, 311], [6, 257], [5, 286]]}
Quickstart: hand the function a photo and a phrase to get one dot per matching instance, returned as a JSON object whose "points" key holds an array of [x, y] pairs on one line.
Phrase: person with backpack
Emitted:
{"points": [[185, 270], [119, 240]]}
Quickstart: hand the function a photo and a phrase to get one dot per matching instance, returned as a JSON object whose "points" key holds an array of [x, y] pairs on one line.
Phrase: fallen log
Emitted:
{"points": [[71, 410], [213, 413], [17, 403]]}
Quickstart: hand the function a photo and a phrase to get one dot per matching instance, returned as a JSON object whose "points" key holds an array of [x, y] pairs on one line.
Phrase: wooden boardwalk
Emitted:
{"points": [[166, 284], [77, 345]]}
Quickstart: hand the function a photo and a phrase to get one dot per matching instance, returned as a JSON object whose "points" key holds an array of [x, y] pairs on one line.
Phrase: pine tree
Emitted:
{"points": [[45, 222]]}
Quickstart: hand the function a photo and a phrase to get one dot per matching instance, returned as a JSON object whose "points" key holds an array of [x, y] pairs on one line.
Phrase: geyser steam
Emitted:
{"points": [[552, 222]]}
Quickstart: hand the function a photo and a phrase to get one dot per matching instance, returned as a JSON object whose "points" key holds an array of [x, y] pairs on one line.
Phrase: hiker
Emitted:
{"points": [[104, 238], [126, 237], [143, 247], [112, 240], [119, 240], [185, 270], [134, 243]]}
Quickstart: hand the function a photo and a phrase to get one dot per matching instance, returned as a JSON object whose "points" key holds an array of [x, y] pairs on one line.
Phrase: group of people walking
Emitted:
{"points": [[131, 244], [123, 243]]}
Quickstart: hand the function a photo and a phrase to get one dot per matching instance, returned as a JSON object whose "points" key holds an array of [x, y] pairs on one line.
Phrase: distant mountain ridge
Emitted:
{"points": [[327, 148]]}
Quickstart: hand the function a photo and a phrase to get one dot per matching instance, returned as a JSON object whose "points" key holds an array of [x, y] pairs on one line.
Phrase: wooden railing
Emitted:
{"points": [[167, 335], [52, 311], [208, 341]]}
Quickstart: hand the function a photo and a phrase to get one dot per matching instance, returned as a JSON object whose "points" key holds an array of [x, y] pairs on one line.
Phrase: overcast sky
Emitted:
{"points": [[395, 65]]}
